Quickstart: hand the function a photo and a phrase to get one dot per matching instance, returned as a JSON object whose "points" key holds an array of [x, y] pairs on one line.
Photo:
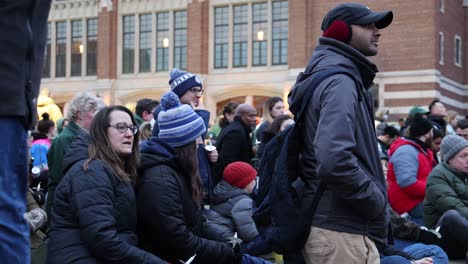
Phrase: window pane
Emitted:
{"points": [[280, 32], [76, 47], [162, 42], [180, 39], [128, 44], [240, 36], [91, 47], [260, 34], [145, 42], [46, 67], [60, 56], [221, 37]]}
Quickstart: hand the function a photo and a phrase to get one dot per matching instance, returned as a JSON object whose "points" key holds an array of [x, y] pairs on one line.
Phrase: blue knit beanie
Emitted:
{"points": [[178, 124], [181, 81]]}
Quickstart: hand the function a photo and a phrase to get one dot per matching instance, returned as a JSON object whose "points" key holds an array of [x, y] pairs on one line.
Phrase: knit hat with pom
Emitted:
{"points": [[181, 81], [178, 124], [239, 174]]}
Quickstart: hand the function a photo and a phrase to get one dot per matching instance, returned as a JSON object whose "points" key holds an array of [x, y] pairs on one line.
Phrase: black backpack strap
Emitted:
{"points": [[318, 77]]}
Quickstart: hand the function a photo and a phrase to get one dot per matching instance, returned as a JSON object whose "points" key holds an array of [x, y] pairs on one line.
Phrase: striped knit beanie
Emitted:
{"points": [[178, 124], [182, 81]]}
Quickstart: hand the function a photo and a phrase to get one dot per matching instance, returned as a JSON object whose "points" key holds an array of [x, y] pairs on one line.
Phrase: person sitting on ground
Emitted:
{"points": [[169, 192], [231, 208], [446, 201], [94, 217], [411, 160]]}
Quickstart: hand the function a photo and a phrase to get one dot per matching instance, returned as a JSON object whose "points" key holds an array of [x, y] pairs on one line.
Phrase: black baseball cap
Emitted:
{"points": [[357, 14]]}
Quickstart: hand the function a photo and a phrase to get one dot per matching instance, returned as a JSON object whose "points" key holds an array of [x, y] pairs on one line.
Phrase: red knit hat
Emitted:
{"points": [[239, 174]]}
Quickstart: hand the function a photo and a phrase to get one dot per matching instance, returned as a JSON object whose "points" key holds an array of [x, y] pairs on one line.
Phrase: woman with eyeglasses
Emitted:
{"points": [[94, 218]]}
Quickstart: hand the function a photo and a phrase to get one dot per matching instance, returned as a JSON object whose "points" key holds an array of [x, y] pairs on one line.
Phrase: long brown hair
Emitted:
{"points": [[100, 147], [187, 160]]}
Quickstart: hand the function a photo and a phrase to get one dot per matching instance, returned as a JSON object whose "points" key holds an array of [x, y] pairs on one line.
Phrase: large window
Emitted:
{"points": [[91, 47], [61, 49], [240, 35], [128, 58], [180, 39], [458, 51], [76, 47], [46, 68], [280, 32], [221, 37], [259, 34], [162, 42], [145, 42]]}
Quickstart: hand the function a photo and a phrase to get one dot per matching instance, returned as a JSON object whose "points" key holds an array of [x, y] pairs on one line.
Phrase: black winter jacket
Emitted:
{"points": [[24, 35], [170, 223], [94, 218], [233, 144], [340, 147]]}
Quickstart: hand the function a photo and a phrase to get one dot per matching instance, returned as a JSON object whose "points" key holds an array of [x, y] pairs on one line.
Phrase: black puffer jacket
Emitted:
{"points": [[170, 223], [94, 218]]}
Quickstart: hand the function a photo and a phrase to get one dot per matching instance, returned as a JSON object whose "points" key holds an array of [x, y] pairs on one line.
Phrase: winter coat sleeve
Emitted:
{"points": [[334, 145], [442, 196], [242, 215], [93, 197], [405, 165], [167, 207]]}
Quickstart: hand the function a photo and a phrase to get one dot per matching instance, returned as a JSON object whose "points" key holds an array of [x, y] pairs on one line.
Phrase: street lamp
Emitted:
{"points": [[165, 42], [260, 35]]}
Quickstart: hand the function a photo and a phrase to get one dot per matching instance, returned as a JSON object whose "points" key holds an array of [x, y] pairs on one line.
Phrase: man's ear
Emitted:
{"points": [[339, 30]]}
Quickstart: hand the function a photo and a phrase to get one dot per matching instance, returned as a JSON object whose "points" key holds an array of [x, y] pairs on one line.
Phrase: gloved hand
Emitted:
{"points": [[36, 218], [235, 243], [430, 236]]}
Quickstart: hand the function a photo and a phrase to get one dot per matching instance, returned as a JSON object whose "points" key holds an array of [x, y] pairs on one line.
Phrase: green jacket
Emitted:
{"points": [[55, 158], [447, 188]]}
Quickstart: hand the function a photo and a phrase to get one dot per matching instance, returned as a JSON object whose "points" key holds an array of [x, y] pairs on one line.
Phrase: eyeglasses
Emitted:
{"points": [[122, 128], [197, 91]]}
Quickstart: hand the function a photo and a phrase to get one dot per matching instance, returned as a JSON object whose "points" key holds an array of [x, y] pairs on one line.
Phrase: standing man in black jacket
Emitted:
{"points": [[23, 24], [340, 148], [234, 143]]}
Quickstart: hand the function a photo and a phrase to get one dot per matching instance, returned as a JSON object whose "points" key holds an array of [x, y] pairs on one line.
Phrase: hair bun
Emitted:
{"points": [[45, 116], [169, 100]]}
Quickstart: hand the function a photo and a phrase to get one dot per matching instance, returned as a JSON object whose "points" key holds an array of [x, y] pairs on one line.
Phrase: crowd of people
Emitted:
{"points": [[108, 185]]}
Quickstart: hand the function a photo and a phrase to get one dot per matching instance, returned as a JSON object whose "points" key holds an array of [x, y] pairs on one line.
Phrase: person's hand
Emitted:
{"points": [[235, 243], [423, 261], [213, 156]]}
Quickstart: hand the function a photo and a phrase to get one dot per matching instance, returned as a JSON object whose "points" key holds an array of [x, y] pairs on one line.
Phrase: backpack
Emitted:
{"points": [[280, 220]]}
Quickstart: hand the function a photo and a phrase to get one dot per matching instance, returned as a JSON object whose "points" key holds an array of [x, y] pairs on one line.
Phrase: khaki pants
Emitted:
{"points": [[329, 247]]}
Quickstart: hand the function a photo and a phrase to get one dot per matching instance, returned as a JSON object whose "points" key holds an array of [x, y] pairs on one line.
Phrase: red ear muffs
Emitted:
{"points": [[338, 30]]}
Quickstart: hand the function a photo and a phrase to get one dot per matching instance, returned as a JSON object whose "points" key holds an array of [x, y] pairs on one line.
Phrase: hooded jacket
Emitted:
{"points": [[94, 217], [232, 203], [170, 223], [340, 147]]}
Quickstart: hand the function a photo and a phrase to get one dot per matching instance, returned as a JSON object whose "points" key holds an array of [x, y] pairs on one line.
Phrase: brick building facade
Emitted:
{"points": [[247, 50]]}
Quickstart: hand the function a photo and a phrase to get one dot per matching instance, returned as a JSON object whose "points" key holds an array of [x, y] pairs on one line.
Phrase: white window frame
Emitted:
{"points": [[457, 59], [441, 48], [442, 6]]}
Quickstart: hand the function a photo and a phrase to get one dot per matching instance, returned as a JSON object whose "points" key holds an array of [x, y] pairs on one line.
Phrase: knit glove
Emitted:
{"points": [[36, 218], [429, 236], [235, 244]]}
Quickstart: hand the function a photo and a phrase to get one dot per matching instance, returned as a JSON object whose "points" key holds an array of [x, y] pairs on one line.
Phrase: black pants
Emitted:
{"points": [[454, 231]]}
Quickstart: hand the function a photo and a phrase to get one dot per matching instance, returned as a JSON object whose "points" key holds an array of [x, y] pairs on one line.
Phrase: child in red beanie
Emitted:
{"points": [[231, 209]]}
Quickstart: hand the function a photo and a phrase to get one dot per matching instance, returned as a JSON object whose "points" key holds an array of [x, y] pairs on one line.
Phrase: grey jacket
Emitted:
{"points": [[340, 147], [232, 211]]}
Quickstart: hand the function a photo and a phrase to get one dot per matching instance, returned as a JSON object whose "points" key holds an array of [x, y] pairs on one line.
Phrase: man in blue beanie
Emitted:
{"points": [[189, 88]]}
